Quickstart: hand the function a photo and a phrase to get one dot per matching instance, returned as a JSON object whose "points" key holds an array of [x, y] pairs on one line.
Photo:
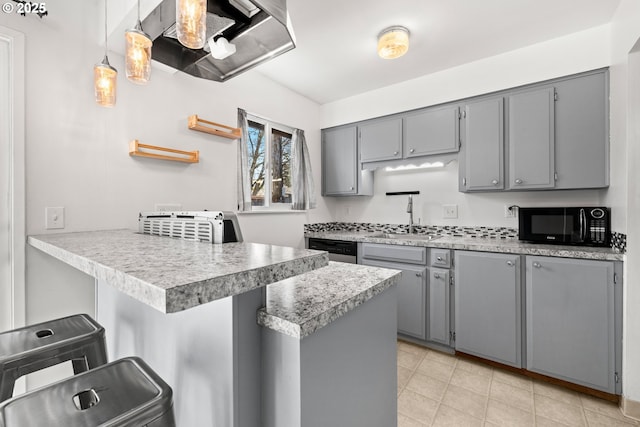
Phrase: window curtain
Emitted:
{"points": [[244, 180], [304, 194]]}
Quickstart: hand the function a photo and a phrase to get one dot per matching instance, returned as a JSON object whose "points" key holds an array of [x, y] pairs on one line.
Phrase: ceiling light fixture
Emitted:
{"points": [[221, 48], [393, 42], [138, 53], [191, 23], [104, 75]]}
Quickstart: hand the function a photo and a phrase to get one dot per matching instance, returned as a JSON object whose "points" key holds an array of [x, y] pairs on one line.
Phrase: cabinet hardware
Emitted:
{"points": [[510, 263], [439, 258], [411, 150], [615, 278], [494, 182], [418, 274], [351, 188], [518, 181], [555, 176], [395, 153], [464, 113], [464, 181], [436, 275], [537, 265], [451, 280], [555, 95], [617, 377]]}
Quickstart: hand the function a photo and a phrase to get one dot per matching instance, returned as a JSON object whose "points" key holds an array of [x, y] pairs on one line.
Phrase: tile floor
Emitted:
{"points": [[437, 389]]}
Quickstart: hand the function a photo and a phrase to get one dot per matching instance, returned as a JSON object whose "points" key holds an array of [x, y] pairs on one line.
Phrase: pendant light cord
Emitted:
{"points": [[105, 28]]}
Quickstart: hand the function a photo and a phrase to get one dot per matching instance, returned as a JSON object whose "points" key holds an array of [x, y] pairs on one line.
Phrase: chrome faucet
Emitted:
{"points": [[410, 212]]}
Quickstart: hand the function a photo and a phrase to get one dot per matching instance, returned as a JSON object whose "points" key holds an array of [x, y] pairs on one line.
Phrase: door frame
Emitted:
{"points": [[17, 207]]}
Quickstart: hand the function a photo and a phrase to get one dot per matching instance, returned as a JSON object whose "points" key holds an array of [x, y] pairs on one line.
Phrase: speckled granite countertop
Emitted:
{"points": [[303, 304], [170, 274], [513, 246]]}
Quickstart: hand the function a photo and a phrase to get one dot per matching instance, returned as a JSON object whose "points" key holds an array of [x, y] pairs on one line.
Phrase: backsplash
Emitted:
{"points": [[618, 240]]}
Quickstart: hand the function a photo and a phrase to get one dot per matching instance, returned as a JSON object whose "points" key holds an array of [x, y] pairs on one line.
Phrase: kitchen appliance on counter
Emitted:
{"points": [[586, 226], [204, 226], [339, 250]]}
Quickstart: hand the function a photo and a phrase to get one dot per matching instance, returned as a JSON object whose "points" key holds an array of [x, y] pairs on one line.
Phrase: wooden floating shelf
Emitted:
{"points": [[181, 156], [201, 125]]}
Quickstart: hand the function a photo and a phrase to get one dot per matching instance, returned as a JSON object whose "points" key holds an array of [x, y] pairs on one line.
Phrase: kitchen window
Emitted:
{"points": [[269, 157]]}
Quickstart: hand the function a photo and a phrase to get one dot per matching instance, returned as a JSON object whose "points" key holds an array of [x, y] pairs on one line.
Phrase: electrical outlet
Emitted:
{"points": [[168, 207], [53, 218], [509, 212], [449, 211]]}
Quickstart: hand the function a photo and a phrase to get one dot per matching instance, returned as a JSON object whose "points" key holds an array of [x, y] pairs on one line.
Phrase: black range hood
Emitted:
{"points": [[261, 32]]}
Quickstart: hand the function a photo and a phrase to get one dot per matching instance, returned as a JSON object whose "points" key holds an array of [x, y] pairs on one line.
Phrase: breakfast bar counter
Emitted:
{"points": [[190, 310]]}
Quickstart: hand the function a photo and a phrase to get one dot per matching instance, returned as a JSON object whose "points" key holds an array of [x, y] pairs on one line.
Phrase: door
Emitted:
{"points": [[532, 139], [339, 161], [571, 321], [412, 297], [380, 140], [488, 306], [12, 216], [438, 299], [432, 131], [482, 166]]}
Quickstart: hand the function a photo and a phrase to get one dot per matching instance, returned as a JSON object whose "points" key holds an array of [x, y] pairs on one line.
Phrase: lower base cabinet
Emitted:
{"points": [[571, 321], [438, 303], [412, 297], [488, 306]]}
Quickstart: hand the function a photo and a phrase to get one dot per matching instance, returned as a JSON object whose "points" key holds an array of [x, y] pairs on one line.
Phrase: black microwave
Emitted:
{"points": [[588, 226]]}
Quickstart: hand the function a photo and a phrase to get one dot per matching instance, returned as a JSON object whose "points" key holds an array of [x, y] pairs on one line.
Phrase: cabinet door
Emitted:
{"points": [[482, 165], [488, 306], [412, 297], [432, 131], [380, 140], [339, 161], [570, 320], [438, 300], [582, 132], [531, 139]]}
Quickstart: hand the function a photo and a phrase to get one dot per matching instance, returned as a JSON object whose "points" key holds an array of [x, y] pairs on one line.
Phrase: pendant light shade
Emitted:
{"points": [[104, 75], [138, 53], [191, 23], [393, 42]]}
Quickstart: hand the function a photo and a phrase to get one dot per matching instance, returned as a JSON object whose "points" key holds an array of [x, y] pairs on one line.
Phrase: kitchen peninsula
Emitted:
{"points": [[189, 309]]}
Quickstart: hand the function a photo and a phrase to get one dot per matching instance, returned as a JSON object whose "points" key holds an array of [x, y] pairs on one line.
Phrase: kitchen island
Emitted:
{"points": [[189, 309]]}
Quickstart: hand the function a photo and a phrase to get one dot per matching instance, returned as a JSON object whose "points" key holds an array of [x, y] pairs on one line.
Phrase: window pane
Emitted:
{"points": [[280, 167], [257, 146]]}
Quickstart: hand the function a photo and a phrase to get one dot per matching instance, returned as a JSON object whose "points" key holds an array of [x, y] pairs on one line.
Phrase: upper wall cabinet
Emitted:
{"points": [[556, 136], [531, 139], [341, 174], [380, 140], [482, 160], [431, 131]]}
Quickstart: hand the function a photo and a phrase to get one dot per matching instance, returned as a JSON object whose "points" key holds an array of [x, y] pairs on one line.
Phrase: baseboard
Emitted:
{"points": [[630, 408]]}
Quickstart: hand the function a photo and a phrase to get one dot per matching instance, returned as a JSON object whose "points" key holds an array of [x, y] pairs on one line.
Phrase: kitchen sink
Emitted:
{"points": [[405, 236]]}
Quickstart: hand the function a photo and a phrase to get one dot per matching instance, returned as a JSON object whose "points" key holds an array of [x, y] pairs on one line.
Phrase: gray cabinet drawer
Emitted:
{"points": [[440, 258], [396, 253]]}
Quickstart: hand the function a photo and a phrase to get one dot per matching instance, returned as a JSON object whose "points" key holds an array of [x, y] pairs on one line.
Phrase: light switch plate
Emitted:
{"points": [[449, 211], [53, 218]]}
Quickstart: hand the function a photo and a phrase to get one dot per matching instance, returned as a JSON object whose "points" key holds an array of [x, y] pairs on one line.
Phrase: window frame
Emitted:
{"points": [[269, 125]]}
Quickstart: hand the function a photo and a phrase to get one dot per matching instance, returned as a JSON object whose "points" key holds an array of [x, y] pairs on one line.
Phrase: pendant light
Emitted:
{"points": [[191, 23], [393, 42], [104, 75], [138, 53]]}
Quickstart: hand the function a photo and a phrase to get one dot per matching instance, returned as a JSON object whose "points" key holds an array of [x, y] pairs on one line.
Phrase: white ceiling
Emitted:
{"points": [[335, 55]]}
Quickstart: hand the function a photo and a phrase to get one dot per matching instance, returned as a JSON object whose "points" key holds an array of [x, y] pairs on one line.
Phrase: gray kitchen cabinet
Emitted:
{"points": [[488, 306], [412, 296], [380, 140], [531, 139], [431, 131], [571, 321], [341, 173], [482, 156], [438, 306], [582, 132]]}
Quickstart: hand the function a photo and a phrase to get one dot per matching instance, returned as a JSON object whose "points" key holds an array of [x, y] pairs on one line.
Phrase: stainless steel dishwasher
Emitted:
{"points": [[339, 250]]}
